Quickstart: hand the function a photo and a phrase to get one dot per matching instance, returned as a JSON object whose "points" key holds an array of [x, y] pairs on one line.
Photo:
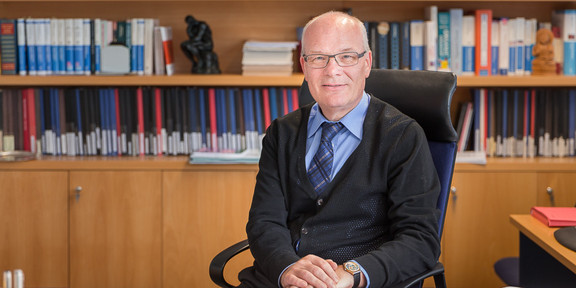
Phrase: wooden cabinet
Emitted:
{"points": [[34, 226], [556, 189], [204, 212], [477, 232], [115, 229]]}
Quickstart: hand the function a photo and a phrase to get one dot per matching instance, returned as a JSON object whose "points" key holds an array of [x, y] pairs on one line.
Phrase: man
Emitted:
{"points": [[369, 220]]}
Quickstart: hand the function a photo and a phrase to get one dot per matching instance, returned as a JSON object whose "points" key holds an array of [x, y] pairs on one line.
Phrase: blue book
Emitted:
{"points": [[468, 46], [140, 46], [86, 46], [134, 47], [405, 45], [383, 30], [113, 121], [571, 121], [289, 94], [504, 118], [394, 45], [520, 30], [232, 110], [80, 137], [192, 120], [56, 120], [40, 107], [444, 63], [54, 47], [516, 113], [78, 46], [220, 121], [273, 103], [258, 111], [103, 122], [41, 63], [48, 46], [202, 110], [69, 46], [61, 46], [417, 45]]}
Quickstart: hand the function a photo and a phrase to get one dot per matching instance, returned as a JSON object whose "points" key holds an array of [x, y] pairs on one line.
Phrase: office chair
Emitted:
{"points": [[508, 270], [422, 95]]}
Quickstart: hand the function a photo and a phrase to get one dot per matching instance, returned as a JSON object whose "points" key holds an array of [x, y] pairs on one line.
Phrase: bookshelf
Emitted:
{"points": [[497, 186]]}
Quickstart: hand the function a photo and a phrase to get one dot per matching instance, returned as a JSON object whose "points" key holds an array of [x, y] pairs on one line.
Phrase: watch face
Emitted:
{"points": [[351, 267]]}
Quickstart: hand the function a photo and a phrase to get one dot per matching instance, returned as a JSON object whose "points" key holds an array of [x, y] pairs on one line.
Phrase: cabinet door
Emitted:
{"points": [[478, 230], [34, 226], [115, 229], [556, 189], [204, 213]]}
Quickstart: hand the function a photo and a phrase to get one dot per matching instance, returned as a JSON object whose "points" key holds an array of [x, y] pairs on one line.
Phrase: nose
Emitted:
{"points": [[332, 68]]}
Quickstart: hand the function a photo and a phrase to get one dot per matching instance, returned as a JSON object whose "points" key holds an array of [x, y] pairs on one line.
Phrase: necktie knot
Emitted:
{"points": [[329, 130]]}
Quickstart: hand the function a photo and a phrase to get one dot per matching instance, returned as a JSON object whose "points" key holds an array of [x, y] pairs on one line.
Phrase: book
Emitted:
{"points": [[503, 47], [8, 47], [483, 46], [569, 39], [416, 45], [555, 216], [168, 51], [468, 45], [456, 18], [394, 45], [444, 41], [405, 45], [159, 67]]}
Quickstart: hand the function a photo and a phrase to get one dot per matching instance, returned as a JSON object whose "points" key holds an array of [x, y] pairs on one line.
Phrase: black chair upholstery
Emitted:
{"points": [[422, 95]]}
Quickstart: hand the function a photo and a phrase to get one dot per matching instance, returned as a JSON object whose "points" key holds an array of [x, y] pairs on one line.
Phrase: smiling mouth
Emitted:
{"points": [[333, 85]]}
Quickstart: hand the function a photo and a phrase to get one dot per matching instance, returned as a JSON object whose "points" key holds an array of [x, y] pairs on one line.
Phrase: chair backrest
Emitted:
{"points": [[426, 97]]}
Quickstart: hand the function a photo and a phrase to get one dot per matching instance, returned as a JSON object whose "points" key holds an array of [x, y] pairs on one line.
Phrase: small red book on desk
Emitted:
{"points": [[555, 216]]}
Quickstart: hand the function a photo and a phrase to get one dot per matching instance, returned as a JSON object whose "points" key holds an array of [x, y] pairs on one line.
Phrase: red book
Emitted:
{"points": [[140, 104], [266, 104], [555, 216], [483, 42], [285, 101], [25, 121], [32, 118], [295, 104], [213, 123], [157, 100]]}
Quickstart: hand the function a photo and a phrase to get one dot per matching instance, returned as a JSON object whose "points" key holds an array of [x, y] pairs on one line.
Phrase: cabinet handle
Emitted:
{"points": [[453, 192], [550, 192], [78, 189]]}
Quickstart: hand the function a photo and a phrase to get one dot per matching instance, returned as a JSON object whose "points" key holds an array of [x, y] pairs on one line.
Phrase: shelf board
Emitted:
{"points": [[239, 80], [132, 80]]}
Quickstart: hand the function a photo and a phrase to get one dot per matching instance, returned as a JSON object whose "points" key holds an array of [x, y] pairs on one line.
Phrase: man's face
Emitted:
{"points": [[336, 89]]}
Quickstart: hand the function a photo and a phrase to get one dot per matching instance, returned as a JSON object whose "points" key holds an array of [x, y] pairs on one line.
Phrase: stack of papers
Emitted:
{"points": [[246, 157], [261, 58]]}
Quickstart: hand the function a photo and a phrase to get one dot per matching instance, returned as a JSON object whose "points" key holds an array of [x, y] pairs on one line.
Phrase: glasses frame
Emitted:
{"points": [[360, 55]]}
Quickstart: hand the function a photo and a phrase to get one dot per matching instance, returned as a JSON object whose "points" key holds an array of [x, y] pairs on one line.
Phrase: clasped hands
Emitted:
{"points": [[312, 271]]}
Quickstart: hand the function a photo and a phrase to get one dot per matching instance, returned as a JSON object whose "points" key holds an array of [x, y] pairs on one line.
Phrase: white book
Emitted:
{"points": [[416, 45], [61, 43], [456, 17], [512, 47], [430, 45], [31, 46], [149, 45], [78, 46], [504, 49], [468, 45], [97, 45], [47, 44], [21, 27], [529, 42], [569, 39], [140, 34], [54, 46], [159, 67], [40, 31], [520, 30], [86, 35], [69, 46]]}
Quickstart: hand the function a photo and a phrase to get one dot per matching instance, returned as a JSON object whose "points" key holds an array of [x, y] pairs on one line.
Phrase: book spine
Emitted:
{"points": [[468, 45], [394, 45], [166, 35], [405, 45], [444, 41], [520, 31], [54, 46], [456, 17], [8, 47], [495, 41], [41, 63], [504, 48], [48, 45], [383, 30], [31, 45], [69, 46], [86, 47], [416, 45], [569, 38], [21, 38], [483, 46]]}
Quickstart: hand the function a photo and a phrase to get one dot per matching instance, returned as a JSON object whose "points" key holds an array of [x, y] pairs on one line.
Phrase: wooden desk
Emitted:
{"points": [[543, 261]]}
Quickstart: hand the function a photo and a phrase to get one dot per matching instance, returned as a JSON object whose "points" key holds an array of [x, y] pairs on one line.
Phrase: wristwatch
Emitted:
{"points": [[354, 270]]}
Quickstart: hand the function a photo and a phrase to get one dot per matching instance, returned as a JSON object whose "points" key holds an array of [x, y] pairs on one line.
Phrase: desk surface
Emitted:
{"points": [[544, 237]]}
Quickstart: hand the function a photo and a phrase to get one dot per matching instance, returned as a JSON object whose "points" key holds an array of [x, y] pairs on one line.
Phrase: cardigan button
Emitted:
{"points": [[304, 231], [320, 202]]}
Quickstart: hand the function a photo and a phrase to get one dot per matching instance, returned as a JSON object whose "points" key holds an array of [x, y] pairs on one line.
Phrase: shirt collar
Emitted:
{"points": [[350, 120]]}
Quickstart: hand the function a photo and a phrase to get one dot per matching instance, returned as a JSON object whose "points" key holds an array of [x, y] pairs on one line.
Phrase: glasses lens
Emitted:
{"points": [[317, 60], [347, 59]]}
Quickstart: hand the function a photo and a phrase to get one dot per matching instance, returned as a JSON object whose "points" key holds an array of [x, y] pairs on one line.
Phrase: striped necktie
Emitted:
{"points": [[321, 166]]}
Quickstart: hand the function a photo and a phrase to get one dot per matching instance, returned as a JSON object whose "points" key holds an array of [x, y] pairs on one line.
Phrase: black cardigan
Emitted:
{"points": [[380, 209]]}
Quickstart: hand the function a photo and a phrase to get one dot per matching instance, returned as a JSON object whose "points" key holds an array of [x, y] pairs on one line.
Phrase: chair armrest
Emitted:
{"points": [[219, 262], [437, 271]]}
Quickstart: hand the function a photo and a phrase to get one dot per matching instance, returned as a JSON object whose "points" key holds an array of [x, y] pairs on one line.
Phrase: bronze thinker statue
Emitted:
{"points": [[198, 47]]}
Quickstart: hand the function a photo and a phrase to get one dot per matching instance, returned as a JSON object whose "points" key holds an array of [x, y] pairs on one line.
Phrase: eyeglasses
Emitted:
{"points": [[343, 59]]}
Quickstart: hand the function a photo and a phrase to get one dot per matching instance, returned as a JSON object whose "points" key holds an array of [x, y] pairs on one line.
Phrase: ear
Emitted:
{"points": [[303, 65]]}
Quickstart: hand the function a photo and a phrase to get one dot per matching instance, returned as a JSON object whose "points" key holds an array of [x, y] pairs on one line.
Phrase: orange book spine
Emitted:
{"points": [[483, 42]]}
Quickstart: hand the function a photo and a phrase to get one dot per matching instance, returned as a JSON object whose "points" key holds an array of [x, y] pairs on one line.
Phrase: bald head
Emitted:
{"points": [[331, 19]]}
